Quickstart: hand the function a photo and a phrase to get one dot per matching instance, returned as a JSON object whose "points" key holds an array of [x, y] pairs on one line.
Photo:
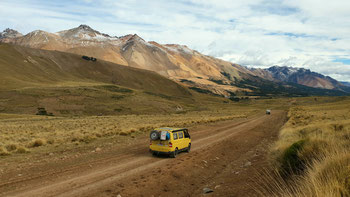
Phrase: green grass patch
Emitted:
{"points": [[291, 161]]}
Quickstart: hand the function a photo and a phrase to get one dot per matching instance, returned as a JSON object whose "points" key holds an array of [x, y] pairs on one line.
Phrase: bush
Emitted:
{"points": [[86, 58], [89, 58], [11, 147], [3, 151], [22, 150], [98, 134], [51, 141], [37, 143], [338, 127], [291, 162], [87, 138], [123, 133]]}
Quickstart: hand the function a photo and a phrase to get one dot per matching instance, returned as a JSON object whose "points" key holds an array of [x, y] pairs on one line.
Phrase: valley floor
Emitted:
{"points": [[227, 157]]}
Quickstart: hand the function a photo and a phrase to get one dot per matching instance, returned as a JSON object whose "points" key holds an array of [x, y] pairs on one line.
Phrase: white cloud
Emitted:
{"points": [[260, 33]]}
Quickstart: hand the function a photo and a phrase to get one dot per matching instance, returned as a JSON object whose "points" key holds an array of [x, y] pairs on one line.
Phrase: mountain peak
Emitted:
{"points": [[136, 37], [84, 32], [8, 30], [10, 33], [85, 27], [288, 69]]}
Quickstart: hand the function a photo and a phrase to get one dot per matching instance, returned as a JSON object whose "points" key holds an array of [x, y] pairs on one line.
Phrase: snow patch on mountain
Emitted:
{"points": [[84, 32], [178, 48]]}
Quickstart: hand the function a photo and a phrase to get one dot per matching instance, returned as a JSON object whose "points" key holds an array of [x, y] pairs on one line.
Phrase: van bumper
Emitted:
{"points": [[160, 152]]}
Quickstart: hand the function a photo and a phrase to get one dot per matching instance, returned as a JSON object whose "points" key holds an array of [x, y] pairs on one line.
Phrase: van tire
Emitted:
{"points": [[188, 148], [174, 154], [154, 135]]}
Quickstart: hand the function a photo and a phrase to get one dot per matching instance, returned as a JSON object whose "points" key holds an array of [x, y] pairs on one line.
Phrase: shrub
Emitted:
{"points": [[76, 137], [37, 143], [98, 134], [51, 141], [123, 133], [87, 138], [86, 58], [11, 147], [3, 151], [338, 127], [22, 150], [291, 162]]}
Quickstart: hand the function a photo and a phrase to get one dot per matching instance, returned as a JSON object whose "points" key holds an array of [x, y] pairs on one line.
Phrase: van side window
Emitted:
{"points": [[181, 135], [175, 136]]}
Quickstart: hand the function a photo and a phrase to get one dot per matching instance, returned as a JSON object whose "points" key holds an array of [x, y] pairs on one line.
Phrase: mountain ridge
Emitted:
{"points": [[177, 62], [171, 60], [305, 77], [345, 83]]}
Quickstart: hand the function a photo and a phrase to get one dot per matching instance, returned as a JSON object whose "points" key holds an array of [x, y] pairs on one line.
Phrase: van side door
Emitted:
{"points": [[176, 141], [181, 140]]}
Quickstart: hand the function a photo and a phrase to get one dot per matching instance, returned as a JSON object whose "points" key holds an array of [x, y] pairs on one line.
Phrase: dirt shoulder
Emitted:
{"points": [[225, 157]]}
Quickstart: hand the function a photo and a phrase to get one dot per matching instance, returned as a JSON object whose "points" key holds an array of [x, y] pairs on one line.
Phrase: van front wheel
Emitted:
{"points": [[174, 154]]}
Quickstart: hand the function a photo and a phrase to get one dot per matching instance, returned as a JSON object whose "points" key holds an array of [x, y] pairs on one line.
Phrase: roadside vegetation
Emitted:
{"points": [[312, 155]]}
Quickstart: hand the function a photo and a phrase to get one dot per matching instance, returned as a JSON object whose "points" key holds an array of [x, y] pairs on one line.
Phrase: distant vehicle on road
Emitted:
{"points": [[170, 141], [268, 112]]}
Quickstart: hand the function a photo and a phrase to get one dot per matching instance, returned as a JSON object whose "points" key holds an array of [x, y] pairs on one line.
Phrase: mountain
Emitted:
{"points": [[305, 77], [9, 34], [66, 83], [24, 67], [345, 83], [177, 62]]}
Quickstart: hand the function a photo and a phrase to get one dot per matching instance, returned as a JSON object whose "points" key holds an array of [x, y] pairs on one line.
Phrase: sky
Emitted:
{"points": [[313, 34]]}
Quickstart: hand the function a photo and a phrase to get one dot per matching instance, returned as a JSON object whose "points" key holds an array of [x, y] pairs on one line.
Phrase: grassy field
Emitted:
{"points": [[23, 133], [312, 155], [89, 99]]}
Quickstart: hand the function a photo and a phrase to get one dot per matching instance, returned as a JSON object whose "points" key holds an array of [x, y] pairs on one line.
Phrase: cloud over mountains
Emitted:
{"points": [[257, 33]]}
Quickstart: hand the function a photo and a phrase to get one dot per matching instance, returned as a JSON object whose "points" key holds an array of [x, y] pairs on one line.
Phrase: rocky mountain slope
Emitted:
{"points": [[66, 83], [305, 77], [177, 62], [24, 67]]}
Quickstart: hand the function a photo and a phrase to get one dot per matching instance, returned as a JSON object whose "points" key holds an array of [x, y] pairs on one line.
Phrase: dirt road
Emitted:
{"points": [[225, 157]]}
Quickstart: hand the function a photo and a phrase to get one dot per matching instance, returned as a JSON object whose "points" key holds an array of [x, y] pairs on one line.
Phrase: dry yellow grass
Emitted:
{"points": [[25, 133], [21, 133], [322, 164]]}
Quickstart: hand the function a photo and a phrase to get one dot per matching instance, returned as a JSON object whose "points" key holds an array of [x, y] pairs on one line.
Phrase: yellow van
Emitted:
{"points": [[170, 141]]}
